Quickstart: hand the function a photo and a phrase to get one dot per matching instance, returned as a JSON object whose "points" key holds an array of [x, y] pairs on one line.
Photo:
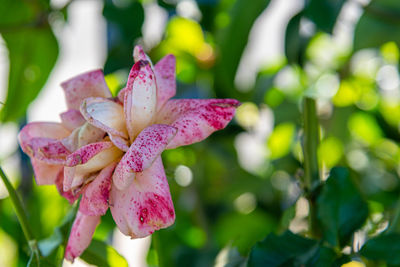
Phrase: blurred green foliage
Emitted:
{"points": [[247, 203]]}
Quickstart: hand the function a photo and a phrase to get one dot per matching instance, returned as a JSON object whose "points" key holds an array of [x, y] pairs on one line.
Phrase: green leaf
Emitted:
{"points": [[233, 40], [285, 250], [52, 248], [379, 24], [48, 245], [324, 13], [323, 257], [32, 50], [101, 254], [385, 247], [295, 44], [32, 54], [340, 208]]}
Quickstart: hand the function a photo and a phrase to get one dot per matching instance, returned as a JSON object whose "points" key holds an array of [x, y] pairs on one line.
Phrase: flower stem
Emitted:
{"points": [[311, 170], [155, 238], [19, 210]]}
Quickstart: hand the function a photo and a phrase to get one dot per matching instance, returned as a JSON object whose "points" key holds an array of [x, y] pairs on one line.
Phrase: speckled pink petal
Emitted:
{"points": [[166, 79], [147, 146], [81, 235], [70, 195], [89, 84], [140, 98], [196, 119], [47, 150], [139, 54], [41, 140], [146, 205], [45, 174], [50, 130], [105, 114], [72, 119], [96, 194], [75, 176], [85, 153]]}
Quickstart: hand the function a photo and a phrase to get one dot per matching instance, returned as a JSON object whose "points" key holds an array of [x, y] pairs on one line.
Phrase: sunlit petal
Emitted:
{"points": [[140, 98], [105, 114], [196, 119], [144, 150], [146, 205], [89, 84]]}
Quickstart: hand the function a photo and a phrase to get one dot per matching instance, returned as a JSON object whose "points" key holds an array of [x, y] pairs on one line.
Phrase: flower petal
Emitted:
{"points": [[144, 150], [81, 235], [119, 142], [75, 176], [166, 79], [105, 114], [41, 141], [49, 130], [140, 98], [82, 136], [72, 119], [70, 195], [139, 54], [85, 153], [48, 150], [45, 174], [95, 195], [86, 85], [146, 205], [89, 134], [196, 119]]}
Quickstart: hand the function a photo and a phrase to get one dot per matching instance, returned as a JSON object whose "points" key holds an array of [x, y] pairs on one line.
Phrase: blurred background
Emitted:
{"points": [[242, 183]]}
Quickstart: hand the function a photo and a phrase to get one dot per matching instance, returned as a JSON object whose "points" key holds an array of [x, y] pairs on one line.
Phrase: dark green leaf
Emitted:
{"points": [[385, 247], [124, 24], [32, 55], [288, 249], [340, 208], [295, 44], [322, 257], [324, 13], [233, 40], [379, 24], [101, 254]]}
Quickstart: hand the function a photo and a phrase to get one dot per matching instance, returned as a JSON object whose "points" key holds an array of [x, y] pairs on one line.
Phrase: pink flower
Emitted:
{"points": [[108, 149]]}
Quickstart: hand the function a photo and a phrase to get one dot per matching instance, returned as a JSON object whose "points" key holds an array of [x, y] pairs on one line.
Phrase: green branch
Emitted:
{"points": [[19, 210]]}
